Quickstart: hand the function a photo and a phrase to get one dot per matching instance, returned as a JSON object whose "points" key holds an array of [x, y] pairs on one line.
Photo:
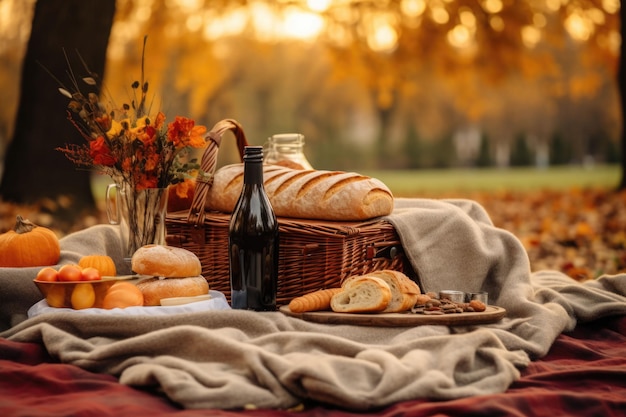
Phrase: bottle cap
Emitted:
{"points": [[253, 153]]}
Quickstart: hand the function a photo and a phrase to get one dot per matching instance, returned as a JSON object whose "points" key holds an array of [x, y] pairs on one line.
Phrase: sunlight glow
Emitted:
{"points": [[268, 26], [492, 6], [5, 15], [611, 6], [194, 22], [460, 37], [496, 23], [383, 36], [553, 5], [190, 6], [596, 16], [229, 24], [531, 36], [467, 18], [263, 21], [13, 27], [142, 12], [579, 26], [318, 6], [439, 14], [413, 8], [302, 25]]}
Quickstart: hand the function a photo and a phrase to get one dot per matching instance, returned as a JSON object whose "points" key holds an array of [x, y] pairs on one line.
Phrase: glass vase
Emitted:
{"points": [[140, 215]]}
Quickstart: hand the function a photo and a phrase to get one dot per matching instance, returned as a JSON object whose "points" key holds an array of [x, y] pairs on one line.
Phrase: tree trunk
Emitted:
{"points": [[621, 80], [34, 170]]}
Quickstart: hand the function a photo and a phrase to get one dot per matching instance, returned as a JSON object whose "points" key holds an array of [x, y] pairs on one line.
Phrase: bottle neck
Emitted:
{"points": [[253, 165], [253, 173]]}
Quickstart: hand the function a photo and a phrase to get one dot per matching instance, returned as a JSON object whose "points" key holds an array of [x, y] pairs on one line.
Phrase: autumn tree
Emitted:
{"points": [[621, 73], [476, 46], [34, 171], [414, 62]]}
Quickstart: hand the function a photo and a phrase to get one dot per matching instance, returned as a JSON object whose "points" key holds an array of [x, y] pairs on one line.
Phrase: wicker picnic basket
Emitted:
{"points": [[313, 254]]}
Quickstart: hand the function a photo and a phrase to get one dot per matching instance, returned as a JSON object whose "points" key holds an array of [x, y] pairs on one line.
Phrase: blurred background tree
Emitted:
{"points": [[33, 171], [370, 83]]}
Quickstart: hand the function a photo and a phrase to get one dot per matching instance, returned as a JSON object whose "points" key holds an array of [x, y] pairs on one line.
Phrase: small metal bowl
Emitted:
{"points": [[454, 296]]}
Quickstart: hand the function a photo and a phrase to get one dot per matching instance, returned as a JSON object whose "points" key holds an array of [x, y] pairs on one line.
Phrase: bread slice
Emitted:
{"points": [[404, 290], [362, 294]]}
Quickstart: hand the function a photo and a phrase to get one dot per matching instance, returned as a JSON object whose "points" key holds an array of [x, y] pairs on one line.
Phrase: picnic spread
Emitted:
{"points": [[61, 332], [214, 357]]}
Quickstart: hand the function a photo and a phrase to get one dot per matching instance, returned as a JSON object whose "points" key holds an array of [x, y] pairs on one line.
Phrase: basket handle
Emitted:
{"points": [[208, 164]]}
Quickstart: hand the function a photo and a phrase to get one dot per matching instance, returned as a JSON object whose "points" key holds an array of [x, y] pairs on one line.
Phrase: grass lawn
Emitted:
{"points": [[429, 183], [436, 182]]}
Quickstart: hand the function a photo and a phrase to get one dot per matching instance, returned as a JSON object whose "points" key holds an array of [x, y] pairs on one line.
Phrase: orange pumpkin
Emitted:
{"points": [[29, 245], [102, 263], [180, 195]]}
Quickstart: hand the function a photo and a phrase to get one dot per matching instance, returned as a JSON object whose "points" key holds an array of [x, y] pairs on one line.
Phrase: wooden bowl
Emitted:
{"points": [[60, 293]]}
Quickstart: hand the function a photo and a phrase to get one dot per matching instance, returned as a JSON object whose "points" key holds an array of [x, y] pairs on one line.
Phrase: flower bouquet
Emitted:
{"points": [[140, 151]]}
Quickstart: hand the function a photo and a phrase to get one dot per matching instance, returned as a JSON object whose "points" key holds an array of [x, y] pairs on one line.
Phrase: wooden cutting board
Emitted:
{"points": [[491, 315]]}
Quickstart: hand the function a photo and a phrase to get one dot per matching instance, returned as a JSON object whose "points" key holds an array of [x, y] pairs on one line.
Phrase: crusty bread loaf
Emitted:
{"points": [[313, 301], [165, 261], [155, 289], [307, 194], [404, 291], [363, 294]]}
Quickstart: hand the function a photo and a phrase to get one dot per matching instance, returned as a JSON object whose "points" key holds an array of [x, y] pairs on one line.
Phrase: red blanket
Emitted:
{"points": [[583, 374]]}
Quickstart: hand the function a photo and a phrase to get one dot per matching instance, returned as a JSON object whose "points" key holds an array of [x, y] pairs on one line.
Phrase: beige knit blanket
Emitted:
{"points": [[233, 359]]}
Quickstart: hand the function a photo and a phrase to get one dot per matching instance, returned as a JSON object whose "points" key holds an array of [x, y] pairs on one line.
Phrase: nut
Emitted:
{"points": [[478, 305]]}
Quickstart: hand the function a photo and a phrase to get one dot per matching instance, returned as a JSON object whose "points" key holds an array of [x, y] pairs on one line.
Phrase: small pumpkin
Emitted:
{"points": [[102, 263], [29, 245]]}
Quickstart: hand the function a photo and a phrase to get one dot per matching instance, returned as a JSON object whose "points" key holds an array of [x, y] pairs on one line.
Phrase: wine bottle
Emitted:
{"points": [[253, 241]]}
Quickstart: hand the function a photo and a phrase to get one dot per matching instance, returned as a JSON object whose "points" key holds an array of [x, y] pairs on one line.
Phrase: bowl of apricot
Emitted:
{"points": [[72, 286]]}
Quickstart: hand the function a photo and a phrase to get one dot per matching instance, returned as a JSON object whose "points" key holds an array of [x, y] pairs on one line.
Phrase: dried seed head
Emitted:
{"points": [[65, 92], [74, 106]]}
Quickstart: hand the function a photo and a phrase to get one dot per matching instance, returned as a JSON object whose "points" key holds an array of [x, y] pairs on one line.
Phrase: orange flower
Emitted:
{"points": [[152, 161], [196, 137], [159, 120], [147, 134], [100, 152], [182, 132], [104, 120], [131, 146]]}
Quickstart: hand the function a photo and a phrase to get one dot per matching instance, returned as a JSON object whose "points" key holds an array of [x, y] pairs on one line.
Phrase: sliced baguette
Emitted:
{"points": [[404, 291], [362, 294]]}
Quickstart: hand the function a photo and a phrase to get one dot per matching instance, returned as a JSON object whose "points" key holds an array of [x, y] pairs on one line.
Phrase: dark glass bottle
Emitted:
{"points": [[253, 241]]}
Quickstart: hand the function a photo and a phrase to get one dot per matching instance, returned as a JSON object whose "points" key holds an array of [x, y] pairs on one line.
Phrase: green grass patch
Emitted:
{"points": [[434, 182]]}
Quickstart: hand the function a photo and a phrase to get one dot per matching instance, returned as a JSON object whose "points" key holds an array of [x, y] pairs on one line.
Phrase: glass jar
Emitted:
{"points": [[286, 149]]}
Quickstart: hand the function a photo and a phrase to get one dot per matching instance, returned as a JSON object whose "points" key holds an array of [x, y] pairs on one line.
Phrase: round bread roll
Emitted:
{"points": [[155, 289], [165, 261]]}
